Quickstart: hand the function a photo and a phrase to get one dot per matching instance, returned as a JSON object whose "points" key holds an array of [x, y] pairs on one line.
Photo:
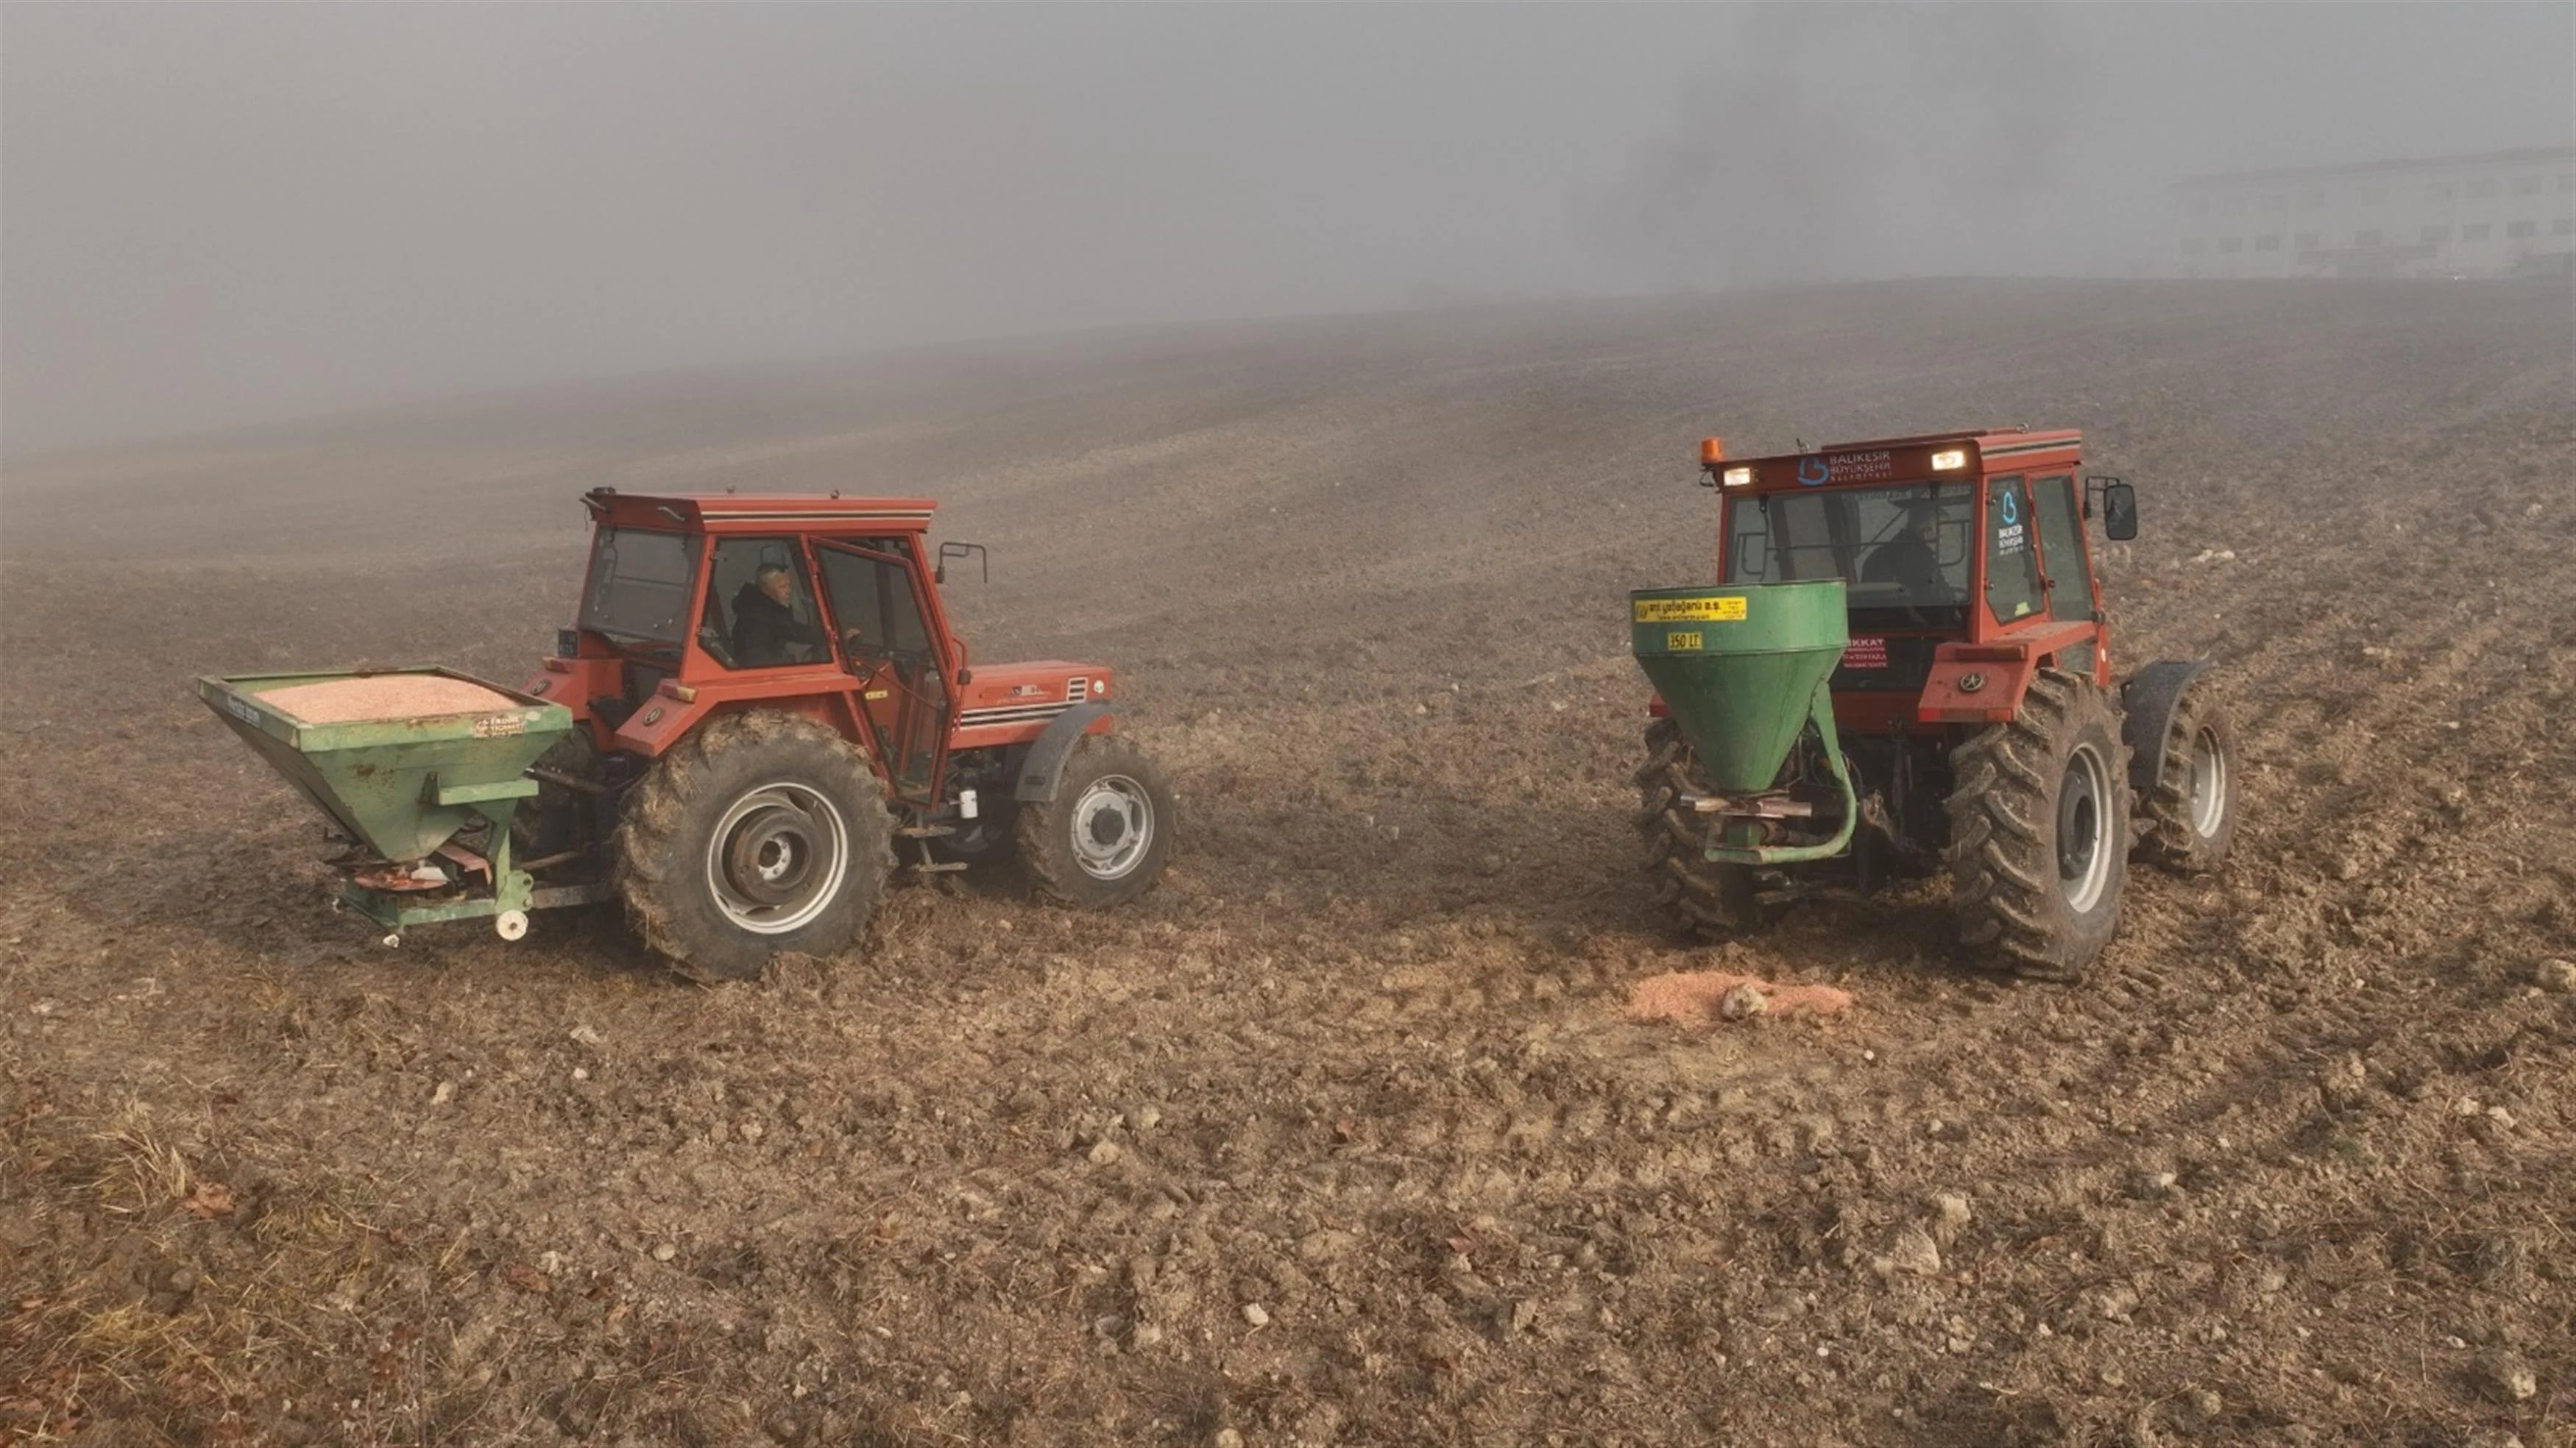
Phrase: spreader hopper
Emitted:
{"points": [[1743, 671]]}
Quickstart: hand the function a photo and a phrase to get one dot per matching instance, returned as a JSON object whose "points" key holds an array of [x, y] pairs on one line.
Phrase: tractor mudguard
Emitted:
{"points": [[1044, 763], [2147, 702]]}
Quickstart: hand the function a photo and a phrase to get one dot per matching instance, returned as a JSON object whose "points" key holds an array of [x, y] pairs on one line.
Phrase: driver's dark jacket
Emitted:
{"points": [[1904, 560], [766, 631]]}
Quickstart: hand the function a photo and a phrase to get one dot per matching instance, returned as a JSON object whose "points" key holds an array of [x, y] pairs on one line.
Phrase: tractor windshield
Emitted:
{"points": [[1903, 550], [640, 583]]}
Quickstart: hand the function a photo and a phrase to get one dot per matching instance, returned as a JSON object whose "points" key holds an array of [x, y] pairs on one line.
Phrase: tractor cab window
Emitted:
{"points": [[639, 585], [1901, 551], [760, 608], [2061, 544], [2014, 589]]}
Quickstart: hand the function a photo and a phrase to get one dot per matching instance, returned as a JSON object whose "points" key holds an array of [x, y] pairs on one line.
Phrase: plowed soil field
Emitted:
{"points": [[1343, 1135]]}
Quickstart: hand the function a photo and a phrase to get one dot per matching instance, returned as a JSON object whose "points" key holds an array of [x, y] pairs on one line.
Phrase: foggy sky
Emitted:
{"points": [[219, 215]]}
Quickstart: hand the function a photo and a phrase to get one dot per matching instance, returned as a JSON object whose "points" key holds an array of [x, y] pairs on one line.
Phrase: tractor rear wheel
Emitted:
{"points": [[1103, 839], [761, 833], [2039, 831], [2187, 818], [1708, 900]]}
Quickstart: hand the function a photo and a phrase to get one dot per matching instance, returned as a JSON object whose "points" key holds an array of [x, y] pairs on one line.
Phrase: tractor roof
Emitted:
{"points": [[759, 512], [1896, 459]]}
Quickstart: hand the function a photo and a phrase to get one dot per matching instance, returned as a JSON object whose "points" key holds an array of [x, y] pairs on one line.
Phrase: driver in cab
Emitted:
{"points": [[766, 629], [1912, 559]]}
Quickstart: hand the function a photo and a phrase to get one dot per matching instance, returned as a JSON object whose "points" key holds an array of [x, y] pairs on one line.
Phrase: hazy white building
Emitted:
{"points": [[2504, 213]]}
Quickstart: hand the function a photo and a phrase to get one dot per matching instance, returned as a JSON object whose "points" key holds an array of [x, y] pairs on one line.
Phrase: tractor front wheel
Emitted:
{"points": [[1707, 900], [2187, 818], [1102, 840], [763, 832], [2039, 831]]}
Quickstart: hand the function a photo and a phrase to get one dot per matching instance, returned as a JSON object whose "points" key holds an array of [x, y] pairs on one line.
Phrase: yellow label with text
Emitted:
{"points": [[1690, 610], [876, 694], [1678, 640]]}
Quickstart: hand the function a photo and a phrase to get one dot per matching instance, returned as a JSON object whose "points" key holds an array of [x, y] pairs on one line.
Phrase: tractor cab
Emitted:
{"points": [[1954, 541], [736, 599]]}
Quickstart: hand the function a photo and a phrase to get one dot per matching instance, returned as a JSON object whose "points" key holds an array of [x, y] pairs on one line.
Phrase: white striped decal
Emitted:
{"points": [[856, 517], [2051, 445], [1025, 714]]}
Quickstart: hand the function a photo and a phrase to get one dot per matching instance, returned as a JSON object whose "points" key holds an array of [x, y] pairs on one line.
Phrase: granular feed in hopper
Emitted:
{"points": [[385, 696]]}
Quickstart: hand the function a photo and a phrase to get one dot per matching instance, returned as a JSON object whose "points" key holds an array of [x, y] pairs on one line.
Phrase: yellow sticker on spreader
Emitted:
{"points": [[1690, 610], [1677, 640]]}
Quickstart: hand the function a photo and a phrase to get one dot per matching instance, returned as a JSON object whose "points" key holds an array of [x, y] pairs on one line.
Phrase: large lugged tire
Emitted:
{"points": [[2039, 831], [1103, 839], [2187, 818], [761, 833], [1707, 900]]}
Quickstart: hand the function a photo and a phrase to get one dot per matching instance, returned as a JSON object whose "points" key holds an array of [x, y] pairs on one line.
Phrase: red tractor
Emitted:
{"points": [[768, 704], [1983, 730]]}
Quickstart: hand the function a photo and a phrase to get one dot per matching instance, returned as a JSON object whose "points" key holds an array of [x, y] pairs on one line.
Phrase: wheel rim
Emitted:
{"points": [[2208, 783], [778, 858], [2083, 858], [1113, 825]]}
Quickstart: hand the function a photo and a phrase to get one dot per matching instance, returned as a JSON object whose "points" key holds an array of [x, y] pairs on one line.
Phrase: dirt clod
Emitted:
{"points": [[2504, 1376]]}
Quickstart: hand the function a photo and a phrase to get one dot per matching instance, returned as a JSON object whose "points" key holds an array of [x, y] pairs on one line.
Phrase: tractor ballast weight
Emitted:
{"points": [[1744, 672], [1905, 669]]}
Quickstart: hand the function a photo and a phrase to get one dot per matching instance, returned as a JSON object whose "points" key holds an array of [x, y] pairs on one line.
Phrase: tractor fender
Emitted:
{"points": [[1043, 765], [2147, 702]]}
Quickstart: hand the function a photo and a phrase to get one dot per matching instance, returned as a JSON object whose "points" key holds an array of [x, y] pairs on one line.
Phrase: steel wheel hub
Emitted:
{"points": [[1113, 824], [2083, 856], [777, 858], [2208, 783]]}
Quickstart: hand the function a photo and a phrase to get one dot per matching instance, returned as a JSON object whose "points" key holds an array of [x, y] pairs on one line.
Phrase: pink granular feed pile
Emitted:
{"points": [[385, 696], [1692, 996]]}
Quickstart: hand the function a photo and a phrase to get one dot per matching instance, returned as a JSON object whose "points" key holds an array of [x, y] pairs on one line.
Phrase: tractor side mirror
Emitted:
{"points": [[2119, 512], [962, 550], [2119, 507]]}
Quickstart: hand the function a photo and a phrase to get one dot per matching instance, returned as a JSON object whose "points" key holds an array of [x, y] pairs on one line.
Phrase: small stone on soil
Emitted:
{"points": [[1951, 1208], [2556, 975], [2152, 1184], [1103, 1153], [1914, 1251], [2504, 1376], [1741, 1002], [1256, 1314], [664, 1251]]}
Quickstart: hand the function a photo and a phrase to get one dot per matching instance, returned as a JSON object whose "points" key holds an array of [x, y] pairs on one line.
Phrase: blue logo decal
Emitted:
{"points": [[1812, 472], [2012, 507]]}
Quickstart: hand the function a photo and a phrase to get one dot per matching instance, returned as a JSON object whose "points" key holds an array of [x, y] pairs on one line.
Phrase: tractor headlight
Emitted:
{"points": [[1739, 477], [1949, 460]]}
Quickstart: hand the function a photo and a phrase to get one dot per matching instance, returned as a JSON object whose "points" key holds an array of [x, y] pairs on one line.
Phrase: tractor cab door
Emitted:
{"points": [[2066, 567], [880, 624], [2016, 589]]}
